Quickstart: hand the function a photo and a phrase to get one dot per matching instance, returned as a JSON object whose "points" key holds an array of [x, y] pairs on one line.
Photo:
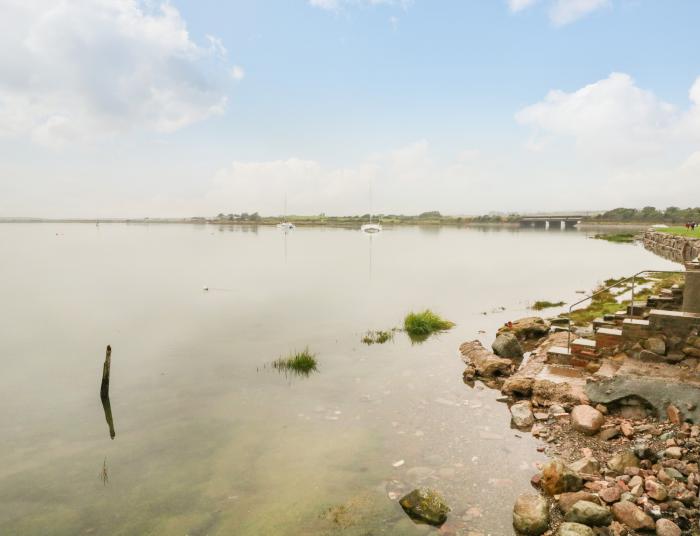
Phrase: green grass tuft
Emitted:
{"points": [[378, 337], [543, 304], [420, 326], [302, 363]]}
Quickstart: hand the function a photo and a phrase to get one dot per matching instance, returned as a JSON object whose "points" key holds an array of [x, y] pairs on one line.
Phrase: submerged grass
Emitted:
{"points": [[544, 304], [621, 238], [378, 337], [302, 363], [420, 326]]}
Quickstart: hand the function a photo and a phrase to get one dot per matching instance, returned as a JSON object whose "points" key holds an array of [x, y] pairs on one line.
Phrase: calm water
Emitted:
{"points": [[211, 440]]}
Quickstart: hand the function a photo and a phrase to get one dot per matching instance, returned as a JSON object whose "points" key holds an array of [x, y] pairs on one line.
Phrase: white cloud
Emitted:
{"points": [[626, 141], [612, 119], [73, 70], [567, 11], [336, 5], [237, 72], [519, 5], [562, 12], [406, 179]]}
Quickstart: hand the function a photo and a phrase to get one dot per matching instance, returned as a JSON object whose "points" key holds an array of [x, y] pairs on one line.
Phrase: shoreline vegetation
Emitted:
{"points": [[541, 305], [301, 363], [420, 326], [608, 302], [646, 216], [619, 238]]}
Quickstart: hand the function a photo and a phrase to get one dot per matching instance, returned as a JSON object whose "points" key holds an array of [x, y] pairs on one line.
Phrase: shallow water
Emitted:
{"points": [[210, 439]]}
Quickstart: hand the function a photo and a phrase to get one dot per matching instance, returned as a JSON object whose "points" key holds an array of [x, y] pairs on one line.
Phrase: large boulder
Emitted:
{"points": [[589, 513], [426, 505], [532, 327], [521, 414], [558, 478], [530, 514], [486, 364], [574, 529], [631, 515], [587, 419], [507, 345]]}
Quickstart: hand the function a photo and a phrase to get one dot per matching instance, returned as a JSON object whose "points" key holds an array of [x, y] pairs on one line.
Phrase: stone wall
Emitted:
{"points": [[672, 247]]}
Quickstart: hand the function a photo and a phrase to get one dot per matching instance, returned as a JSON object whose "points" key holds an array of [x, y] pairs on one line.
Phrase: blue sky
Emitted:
{"points": [[119, 107]]}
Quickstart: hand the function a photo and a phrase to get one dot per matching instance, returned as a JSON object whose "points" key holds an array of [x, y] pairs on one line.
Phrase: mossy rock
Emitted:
{"points": [[425, 505]]}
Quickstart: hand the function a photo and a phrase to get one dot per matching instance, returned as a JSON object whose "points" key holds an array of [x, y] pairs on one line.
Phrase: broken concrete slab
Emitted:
{"points": [[659, 384]]}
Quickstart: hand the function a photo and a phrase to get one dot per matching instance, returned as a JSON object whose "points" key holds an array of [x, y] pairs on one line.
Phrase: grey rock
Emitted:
{"points": [[507, 345], [521, 414], [589, 513]]}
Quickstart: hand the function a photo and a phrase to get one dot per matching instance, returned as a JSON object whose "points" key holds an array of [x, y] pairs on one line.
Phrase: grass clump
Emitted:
{"points": [[378, 337], [420, 326], [302, 363], [544, 304], [621, 238]]}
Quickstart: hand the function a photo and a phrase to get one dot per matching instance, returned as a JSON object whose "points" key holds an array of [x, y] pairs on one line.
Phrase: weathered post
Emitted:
{"points": [[107, 407], [104, 389]]}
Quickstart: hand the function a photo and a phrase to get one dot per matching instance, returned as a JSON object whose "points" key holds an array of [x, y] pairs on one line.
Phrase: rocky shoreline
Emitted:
{"points": [[673, 247], [617, 468]]}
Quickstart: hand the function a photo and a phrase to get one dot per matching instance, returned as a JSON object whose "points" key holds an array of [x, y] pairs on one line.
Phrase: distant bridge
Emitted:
{"points": [[568, 221]]}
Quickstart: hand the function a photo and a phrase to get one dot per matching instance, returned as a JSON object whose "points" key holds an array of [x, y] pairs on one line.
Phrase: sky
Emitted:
{"points": [[145, 108]]}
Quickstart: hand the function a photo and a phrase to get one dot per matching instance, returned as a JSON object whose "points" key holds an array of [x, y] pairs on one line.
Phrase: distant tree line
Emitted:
{"points": [[651, 214], [243, 216]]}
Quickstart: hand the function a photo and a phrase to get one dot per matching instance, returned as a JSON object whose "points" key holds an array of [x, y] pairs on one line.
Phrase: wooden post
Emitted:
{"points": [[107, 407], [104, 389]]}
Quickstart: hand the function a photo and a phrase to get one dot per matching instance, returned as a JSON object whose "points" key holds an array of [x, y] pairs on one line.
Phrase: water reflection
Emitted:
{"points": [[104, 475]]}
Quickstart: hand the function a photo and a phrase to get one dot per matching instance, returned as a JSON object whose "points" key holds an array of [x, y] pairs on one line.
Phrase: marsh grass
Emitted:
{"points": [[301, 363], [544, 304], [378, 337], [420, 326]]}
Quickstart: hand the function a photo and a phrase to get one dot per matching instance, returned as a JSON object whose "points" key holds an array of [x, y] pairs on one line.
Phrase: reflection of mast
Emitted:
{"points": [[370, 257], [286, 232]]}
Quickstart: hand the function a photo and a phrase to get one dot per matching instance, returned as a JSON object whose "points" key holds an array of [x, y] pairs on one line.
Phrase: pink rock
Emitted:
{"points": [[666, 527], [587, 419], [634, 517]]}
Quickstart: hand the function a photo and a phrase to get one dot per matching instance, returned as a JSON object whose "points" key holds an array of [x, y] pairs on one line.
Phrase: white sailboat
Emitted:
{"points": [[284, 224], [371, 227]]}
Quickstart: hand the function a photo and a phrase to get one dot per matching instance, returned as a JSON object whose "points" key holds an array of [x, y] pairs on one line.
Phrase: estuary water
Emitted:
{"points": [[209, 439]]}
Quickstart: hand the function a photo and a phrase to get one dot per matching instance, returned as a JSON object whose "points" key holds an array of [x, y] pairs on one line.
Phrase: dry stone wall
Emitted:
{"points": [[672, 247]]}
